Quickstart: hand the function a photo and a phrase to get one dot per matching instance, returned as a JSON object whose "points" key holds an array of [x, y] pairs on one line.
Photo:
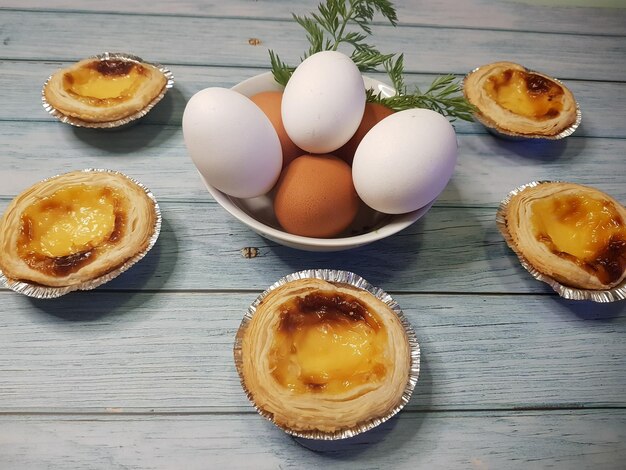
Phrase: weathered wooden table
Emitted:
{"points": [[139, 373]]}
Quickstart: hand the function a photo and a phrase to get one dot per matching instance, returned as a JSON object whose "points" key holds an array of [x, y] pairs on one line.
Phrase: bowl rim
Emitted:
{"points": [[396, 224]]}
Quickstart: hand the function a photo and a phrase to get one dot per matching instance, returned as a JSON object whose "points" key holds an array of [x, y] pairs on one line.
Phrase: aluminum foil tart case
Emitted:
{"points": [[506, 134], [120, 122], [567, 292], [341, 277], [45, 292]]}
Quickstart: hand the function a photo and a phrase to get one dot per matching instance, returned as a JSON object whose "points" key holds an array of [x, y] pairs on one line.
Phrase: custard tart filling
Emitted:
{"points": [[103, 90], [74, 227], [62, 231], [513, 99], [573, 233], [327, 344], [319, 356]]}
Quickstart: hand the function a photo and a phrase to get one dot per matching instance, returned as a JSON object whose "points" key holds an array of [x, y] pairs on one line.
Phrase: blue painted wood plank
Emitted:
{"points": [[483, 14], [139, 374], [208, 41], [602, 103], [514, 440], [172, 351], [487, 169], [449, 250]]}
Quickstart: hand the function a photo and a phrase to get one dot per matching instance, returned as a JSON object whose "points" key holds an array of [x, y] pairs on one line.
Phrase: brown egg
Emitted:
{"points": [[315, 196], [373, 113], [270, 102]]}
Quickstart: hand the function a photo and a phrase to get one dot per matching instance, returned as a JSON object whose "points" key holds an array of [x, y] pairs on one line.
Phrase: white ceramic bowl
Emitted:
{"points": [[258, 213]]}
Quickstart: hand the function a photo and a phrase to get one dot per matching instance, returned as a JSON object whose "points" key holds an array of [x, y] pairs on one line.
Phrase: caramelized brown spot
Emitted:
{"points": [[68, 78], [118, 229], [552, 113], [566, 208], [68, 264], [379, 370], [315, 387], [27, 228], [107, 192], [537, 84], [502, 80], [61, 266], [318, 307], [112, 67], [610, 263], [544, 238], [49, 205], [318, 302]]}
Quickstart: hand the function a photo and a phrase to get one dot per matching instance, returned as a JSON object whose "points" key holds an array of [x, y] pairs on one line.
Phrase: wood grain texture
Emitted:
{"points": [[602, 103], [488, 167], [200, 249], [483, 14], [487, 440], [140, 373], [224, 41], [173, 352]]}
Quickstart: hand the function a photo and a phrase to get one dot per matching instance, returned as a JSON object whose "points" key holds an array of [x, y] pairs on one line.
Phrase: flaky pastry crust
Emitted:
{"points": [[135, 208], [492, 114], [313, 411], [98, 111], [562, 268]]}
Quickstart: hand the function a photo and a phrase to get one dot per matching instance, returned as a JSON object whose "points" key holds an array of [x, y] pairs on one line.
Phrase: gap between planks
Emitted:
{"points": [[104, 291], [520, 411]]}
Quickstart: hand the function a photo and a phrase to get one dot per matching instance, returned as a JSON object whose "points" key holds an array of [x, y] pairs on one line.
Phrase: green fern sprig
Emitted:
{"points": [[330, 27], [327, 29]]}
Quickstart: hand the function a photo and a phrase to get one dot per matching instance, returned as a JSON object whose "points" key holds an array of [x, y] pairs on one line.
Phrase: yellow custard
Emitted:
{"points": [[584, 229], [327, 344], [525, 94], [106, 82], [72, 220]]}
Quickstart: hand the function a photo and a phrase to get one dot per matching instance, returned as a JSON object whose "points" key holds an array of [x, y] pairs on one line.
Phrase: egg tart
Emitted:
{"points": [[516, 101], [325, 357], [74, 228], [572, 233], [105, 88]]}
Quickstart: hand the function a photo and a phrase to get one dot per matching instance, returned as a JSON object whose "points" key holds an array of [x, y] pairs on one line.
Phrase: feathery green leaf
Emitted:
{"points": [[348, 22]]}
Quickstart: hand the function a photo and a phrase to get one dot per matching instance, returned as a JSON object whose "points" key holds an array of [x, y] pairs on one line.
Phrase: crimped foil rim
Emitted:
{"points": [[342, 277], [572, 293], [507, 134], [74, 121], [46, 292]]}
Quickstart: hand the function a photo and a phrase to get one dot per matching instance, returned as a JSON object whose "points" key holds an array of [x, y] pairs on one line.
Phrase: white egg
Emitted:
{"points": [[405, 161], [323, 102], [232, 142]]}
